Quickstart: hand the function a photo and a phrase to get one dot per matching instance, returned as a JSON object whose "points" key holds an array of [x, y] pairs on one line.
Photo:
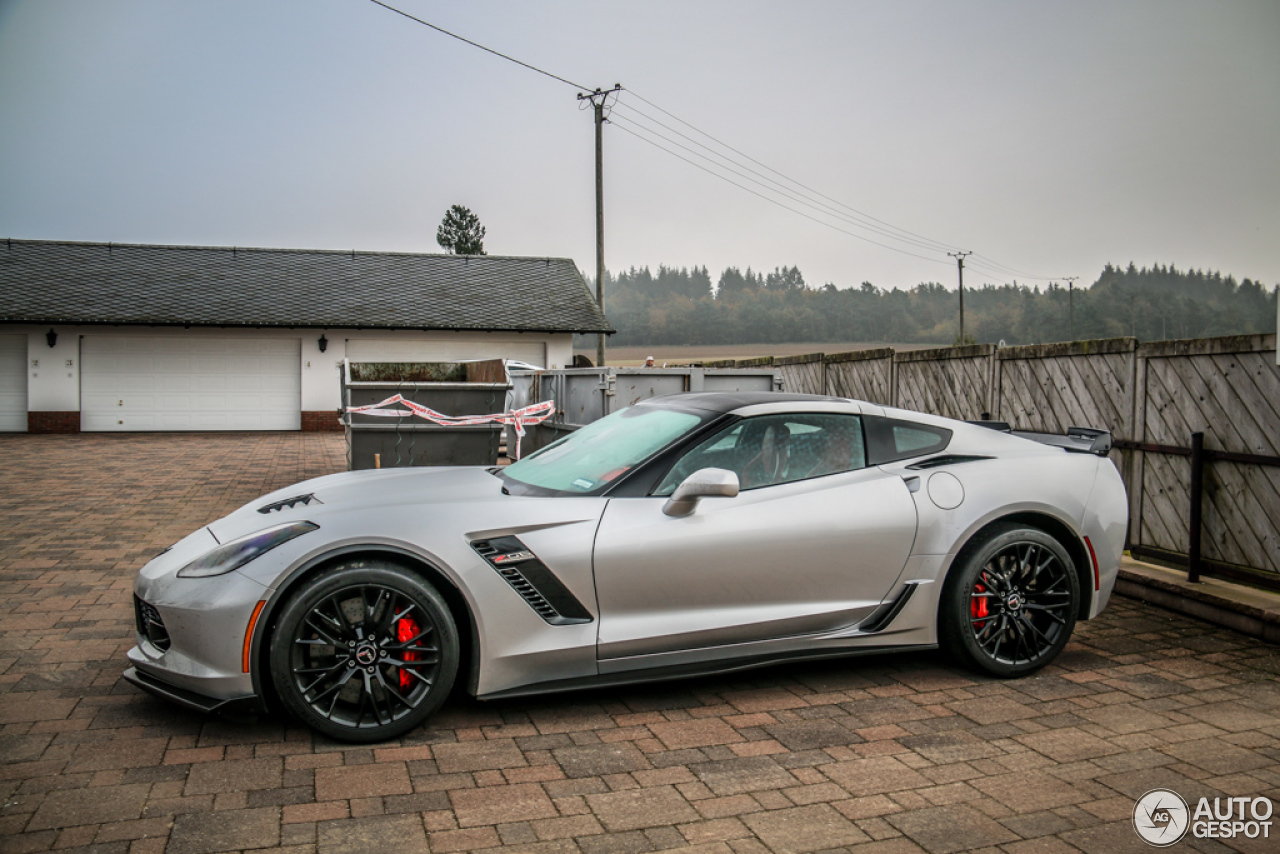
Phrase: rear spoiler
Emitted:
{"points": [[1078, 440]]}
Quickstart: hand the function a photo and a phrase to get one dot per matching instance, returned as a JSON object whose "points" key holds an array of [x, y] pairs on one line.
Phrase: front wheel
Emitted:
{"points": [[1009, 606], [364, 652]]}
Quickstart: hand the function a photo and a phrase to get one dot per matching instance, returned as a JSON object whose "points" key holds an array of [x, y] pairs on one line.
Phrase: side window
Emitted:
{"points": [[911, 439], [891, 439], [771, 449]]}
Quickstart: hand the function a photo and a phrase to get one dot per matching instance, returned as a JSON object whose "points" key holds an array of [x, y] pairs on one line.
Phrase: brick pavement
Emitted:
{"points": [[885, 755]]}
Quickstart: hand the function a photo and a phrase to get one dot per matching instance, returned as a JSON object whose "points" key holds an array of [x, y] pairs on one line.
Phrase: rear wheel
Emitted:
{"points": [[364, 652], [1010, 605]]}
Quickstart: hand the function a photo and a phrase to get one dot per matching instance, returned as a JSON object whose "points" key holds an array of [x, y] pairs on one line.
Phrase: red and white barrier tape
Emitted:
{"points": [[519, 418]]}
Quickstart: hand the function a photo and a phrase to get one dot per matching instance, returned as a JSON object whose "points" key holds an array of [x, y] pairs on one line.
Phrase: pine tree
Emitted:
{"points": [[460, 232]]}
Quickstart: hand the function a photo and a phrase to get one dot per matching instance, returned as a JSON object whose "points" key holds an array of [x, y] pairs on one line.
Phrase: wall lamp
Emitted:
{"points": [[323, 343], [51, 337]]}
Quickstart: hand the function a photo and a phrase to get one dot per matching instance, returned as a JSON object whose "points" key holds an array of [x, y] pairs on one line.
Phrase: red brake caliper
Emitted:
{"points": [[406, 630], [978, 605]]}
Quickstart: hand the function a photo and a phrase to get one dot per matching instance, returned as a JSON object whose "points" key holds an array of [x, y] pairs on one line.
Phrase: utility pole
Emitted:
{"points": [[598, 100], [1071, 306], [959, 256]]}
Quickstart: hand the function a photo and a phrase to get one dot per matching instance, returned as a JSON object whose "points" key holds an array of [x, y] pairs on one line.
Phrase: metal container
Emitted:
{"points": [[583, 395], [449, 388]]}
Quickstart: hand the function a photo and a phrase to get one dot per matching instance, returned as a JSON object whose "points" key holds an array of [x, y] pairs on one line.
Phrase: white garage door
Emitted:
{"points": [[161, 384], [401, 350], [13, 383]]}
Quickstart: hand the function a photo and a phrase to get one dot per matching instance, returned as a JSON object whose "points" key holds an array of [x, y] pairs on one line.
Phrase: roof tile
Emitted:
{"points": [[59, 282]]}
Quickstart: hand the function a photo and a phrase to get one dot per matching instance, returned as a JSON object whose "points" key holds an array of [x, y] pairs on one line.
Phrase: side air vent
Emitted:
{"points": [[885, 614], [537, 585], [946, 460], [149, 624], [290, 503]]}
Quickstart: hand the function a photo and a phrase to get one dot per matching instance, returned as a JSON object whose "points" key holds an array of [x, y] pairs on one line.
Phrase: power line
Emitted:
{"points": [[780, 204], [477, 44], [939, 243], [858, 220], [777, 186]]}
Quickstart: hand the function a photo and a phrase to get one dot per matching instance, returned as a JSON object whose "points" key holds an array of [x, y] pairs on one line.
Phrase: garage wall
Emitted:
{"points": [[13, 383], [54, 382]]}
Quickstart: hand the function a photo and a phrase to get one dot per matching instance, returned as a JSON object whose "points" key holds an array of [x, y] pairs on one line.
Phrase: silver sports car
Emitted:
{"points": [[684, 535]]}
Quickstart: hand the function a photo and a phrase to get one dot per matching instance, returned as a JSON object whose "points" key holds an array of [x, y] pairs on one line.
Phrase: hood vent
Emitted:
{"points": [[290, 503]]}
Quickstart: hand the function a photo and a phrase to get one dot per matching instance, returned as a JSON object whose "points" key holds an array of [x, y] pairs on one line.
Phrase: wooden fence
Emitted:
{"points": [[1151, 397]]}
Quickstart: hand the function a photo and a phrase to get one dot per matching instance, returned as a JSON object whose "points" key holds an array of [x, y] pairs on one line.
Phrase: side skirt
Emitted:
{"points": [[686, 671]]}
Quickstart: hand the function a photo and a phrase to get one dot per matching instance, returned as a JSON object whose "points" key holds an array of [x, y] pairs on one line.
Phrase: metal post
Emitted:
{"points": [[1197, 495], [598, 105], [1071, 305], [959, 256]]}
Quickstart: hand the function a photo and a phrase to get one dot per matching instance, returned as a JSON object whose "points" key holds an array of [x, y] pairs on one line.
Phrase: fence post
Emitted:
{"points": [[1197, 494]]}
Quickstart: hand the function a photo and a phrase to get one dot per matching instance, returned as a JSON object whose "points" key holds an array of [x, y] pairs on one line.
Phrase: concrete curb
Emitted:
{"points": [[1245, 609]]}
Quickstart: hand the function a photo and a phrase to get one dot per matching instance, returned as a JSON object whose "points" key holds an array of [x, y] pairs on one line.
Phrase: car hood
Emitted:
{"points": [[322, 497]]}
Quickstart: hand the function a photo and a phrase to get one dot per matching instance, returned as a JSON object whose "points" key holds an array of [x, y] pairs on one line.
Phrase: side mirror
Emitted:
{"points": [[701, 484]]}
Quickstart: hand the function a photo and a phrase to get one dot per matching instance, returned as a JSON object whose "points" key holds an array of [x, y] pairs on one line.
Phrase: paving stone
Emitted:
{"points": [[992, 710], [748, 774], [234, 776], [635, 809], [402, 834], [225, 831], [1134, 784], [885, 710], [1067, 745], [596, 760], [677, 735], [811, 734], [1037, 824], [947, 747], [501, 804], [1124, 719], [874, 776], [479, 756], [89, 806], [1233, 717], [942, 830], [362, 781], [804, 829], [1030, 791]]}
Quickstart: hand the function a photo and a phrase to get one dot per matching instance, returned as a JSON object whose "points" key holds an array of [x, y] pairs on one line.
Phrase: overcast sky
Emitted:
{"points": [[1049, 138]]}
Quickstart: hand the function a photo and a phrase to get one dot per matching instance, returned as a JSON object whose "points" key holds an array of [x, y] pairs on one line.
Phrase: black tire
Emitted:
{"points": [[1009, 604], [364, 652]]}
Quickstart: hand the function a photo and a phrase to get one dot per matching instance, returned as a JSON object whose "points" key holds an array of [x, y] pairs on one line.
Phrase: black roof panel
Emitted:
{"points": [[727, 401]]}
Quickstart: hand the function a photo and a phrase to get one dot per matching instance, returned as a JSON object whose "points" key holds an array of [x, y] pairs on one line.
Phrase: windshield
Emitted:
{"points": [[592, 457]]}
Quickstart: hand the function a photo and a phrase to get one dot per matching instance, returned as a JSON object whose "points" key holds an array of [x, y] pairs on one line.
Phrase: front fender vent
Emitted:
{"points": [[537, 585]]}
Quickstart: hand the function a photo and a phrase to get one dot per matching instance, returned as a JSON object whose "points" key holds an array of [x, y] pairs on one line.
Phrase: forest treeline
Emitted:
{"points": [[680, 306]]}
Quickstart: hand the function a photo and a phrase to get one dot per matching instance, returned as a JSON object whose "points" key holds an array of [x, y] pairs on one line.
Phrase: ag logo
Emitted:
{"points": [[1161, 817]]}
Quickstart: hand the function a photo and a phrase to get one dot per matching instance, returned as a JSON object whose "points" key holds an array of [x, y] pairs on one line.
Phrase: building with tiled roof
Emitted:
{"points": [[101, 336]]}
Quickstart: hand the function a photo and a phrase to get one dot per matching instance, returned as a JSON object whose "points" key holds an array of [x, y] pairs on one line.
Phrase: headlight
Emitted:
{"points": [[237, 553]]}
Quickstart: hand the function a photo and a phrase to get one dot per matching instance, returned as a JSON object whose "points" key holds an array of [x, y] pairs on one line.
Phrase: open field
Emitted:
{"points": [[631, 356]]}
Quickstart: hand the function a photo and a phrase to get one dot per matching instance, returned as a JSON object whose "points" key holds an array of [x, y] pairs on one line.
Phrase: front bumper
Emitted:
{"points": [[190, 632], [191, 700]]}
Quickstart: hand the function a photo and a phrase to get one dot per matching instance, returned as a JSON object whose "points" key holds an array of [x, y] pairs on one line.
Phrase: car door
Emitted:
{"points": [[812, 543]]}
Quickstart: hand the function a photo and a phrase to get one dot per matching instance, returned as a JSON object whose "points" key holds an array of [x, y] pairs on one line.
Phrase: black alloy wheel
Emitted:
{"points": [[364, 652], [1010, 605]]}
